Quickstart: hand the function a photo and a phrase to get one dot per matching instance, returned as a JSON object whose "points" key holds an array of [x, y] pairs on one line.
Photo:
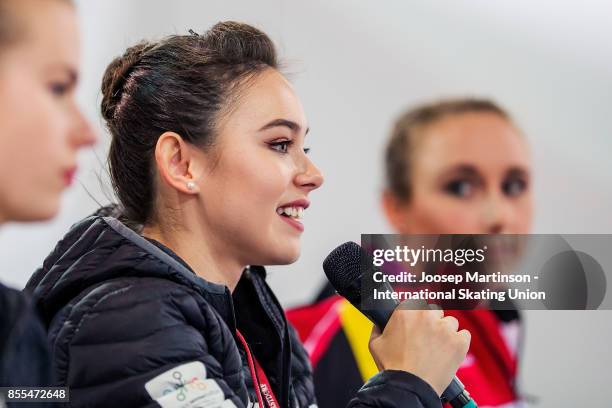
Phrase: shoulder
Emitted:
{"points": [[124, 339], [11, 300], [15, 309], [22, 339], [135, 321], [143, 303]]}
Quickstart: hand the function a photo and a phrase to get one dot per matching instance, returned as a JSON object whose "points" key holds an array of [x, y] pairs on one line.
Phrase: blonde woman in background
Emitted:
{"points": [[458, 166]]}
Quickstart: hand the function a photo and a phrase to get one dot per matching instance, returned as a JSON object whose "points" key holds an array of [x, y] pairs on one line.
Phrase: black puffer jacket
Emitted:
{"points": [[131, 325], [24, 355]]}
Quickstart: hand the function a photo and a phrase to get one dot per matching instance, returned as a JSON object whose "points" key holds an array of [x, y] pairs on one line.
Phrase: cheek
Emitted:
{"points": [[255, 182], [249, 189], [32, 150], [247, 186], [433, 212], [30, 183], [34, 128], [445, 217], [523, 215]]}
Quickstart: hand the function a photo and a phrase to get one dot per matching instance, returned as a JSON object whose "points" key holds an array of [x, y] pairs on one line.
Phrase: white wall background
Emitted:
{"points": [[356, 65]]}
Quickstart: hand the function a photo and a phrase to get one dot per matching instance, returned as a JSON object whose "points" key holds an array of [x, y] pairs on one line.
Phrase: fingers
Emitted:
{"points": [[451, 322], [423, 342], [466, 334], [466, 338], [436, 313], [375, 332]]}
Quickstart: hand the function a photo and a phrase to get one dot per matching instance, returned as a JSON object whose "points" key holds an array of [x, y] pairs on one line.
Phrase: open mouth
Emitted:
{"points": [[291, 212], [292, 215]]}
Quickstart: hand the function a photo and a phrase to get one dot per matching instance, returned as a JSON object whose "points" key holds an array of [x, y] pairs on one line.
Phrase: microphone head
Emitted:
{"points": [[342, 267]]}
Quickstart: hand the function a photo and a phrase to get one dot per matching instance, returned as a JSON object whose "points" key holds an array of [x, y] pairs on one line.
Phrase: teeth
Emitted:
{"points": [[293, 212]]}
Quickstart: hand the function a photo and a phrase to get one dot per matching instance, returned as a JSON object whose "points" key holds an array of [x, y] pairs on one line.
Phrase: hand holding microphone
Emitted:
{"points": [[422, 342]]}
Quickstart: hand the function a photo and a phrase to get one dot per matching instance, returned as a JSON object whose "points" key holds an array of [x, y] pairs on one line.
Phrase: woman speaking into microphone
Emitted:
{"points": [[169, 306]]}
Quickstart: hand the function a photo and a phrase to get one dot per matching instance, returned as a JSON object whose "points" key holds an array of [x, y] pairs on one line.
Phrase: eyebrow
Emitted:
{"points": [[464, 169], [517, 171], [460, 170], [293, 126], [73, 75], [468, 170]]}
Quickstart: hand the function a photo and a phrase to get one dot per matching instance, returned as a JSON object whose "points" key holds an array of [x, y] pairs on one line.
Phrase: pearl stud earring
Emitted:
{"points": [[190, 185]]}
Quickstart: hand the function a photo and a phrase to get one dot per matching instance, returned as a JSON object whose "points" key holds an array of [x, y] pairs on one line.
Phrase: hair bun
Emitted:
{"points": [[240, 43], [116, 75]]}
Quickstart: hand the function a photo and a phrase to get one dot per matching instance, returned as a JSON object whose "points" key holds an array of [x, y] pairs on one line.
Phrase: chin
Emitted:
{"points": [[284, 255]]}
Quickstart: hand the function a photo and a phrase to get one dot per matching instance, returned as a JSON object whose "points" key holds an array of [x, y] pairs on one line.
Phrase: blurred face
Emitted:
{"points": [[41, 128], [470, 175], [257, 187]]}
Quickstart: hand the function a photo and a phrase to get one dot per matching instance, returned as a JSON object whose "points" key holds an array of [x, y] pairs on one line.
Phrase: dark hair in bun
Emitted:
{"points": [[183, 83]]}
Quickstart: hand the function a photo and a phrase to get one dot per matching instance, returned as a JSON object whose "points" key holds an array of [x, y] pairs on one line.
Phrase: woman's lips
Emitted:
{"points": [[294, 223], [69, 176], [302, 202]]}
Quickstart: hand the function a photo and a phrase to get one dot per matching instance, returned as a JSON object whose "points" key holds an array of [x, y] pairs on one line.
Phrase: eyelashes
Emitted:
{"points": [[514, 187], [59, 89], [283, 146], [465, 188], [460, 188]]}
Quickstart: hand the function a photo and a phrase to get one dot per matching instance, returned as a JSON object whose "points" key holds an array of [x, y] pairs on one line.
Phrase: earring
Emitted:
{"points": [[191, 185]]}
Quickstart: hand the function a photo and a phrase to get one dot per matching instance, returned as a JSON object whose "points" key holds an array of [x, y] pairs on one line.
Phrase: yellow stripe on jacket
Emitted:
{"points": [[357, 329]]}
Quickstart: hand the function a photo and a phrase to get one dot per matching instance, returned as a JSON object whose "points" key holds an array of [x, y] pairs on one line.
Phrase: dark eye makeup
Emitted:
{"points": [[461, 188], [465, 180], [283, 146], [59, 88], [514, 186]]}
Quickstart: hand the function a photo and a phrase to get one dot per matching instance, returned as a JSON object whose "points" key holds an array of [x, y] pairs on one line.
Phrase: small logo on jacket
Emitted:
{"points": [[186, 386]]}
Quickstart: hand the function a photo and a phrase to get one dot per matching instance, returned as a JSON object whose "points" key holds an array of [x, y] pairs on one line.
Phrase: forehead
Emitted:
{"points": [[268, 96], [484, 140], [46, 28]]}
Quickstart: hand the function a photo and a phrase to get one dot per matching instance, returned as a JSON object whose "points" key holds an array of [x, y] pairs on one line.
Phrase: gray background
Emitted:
{"points": [[356, 65]]}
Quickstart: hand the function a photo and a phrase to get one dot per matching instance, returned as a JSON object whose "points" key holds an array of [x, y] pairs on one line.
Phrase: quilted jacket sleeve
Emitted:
{"points": [[145, 342], [395, 389]]}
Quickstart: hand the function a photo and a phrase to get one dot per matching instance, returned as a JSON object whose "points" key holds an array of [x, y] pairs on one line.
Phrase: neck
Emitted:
{"points": [[196, 248]]}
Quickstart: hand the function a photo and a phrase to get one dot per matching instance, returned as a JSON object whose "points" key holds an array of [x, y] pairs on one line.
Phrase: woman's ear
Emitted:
{"points": [[176, 163], [396, 211]]}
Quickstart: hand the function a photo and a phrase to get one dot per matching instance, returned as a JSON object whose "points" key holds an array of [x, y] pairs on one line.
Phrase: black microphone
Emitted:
{"points": [[343, 269]]}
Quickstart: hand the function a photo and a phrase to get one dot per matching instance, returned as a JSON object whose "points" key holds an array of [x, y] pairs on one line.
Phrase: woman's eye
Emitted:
{"points": [[514, 187], [460, 188], [59, 88], [281, 147]]}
